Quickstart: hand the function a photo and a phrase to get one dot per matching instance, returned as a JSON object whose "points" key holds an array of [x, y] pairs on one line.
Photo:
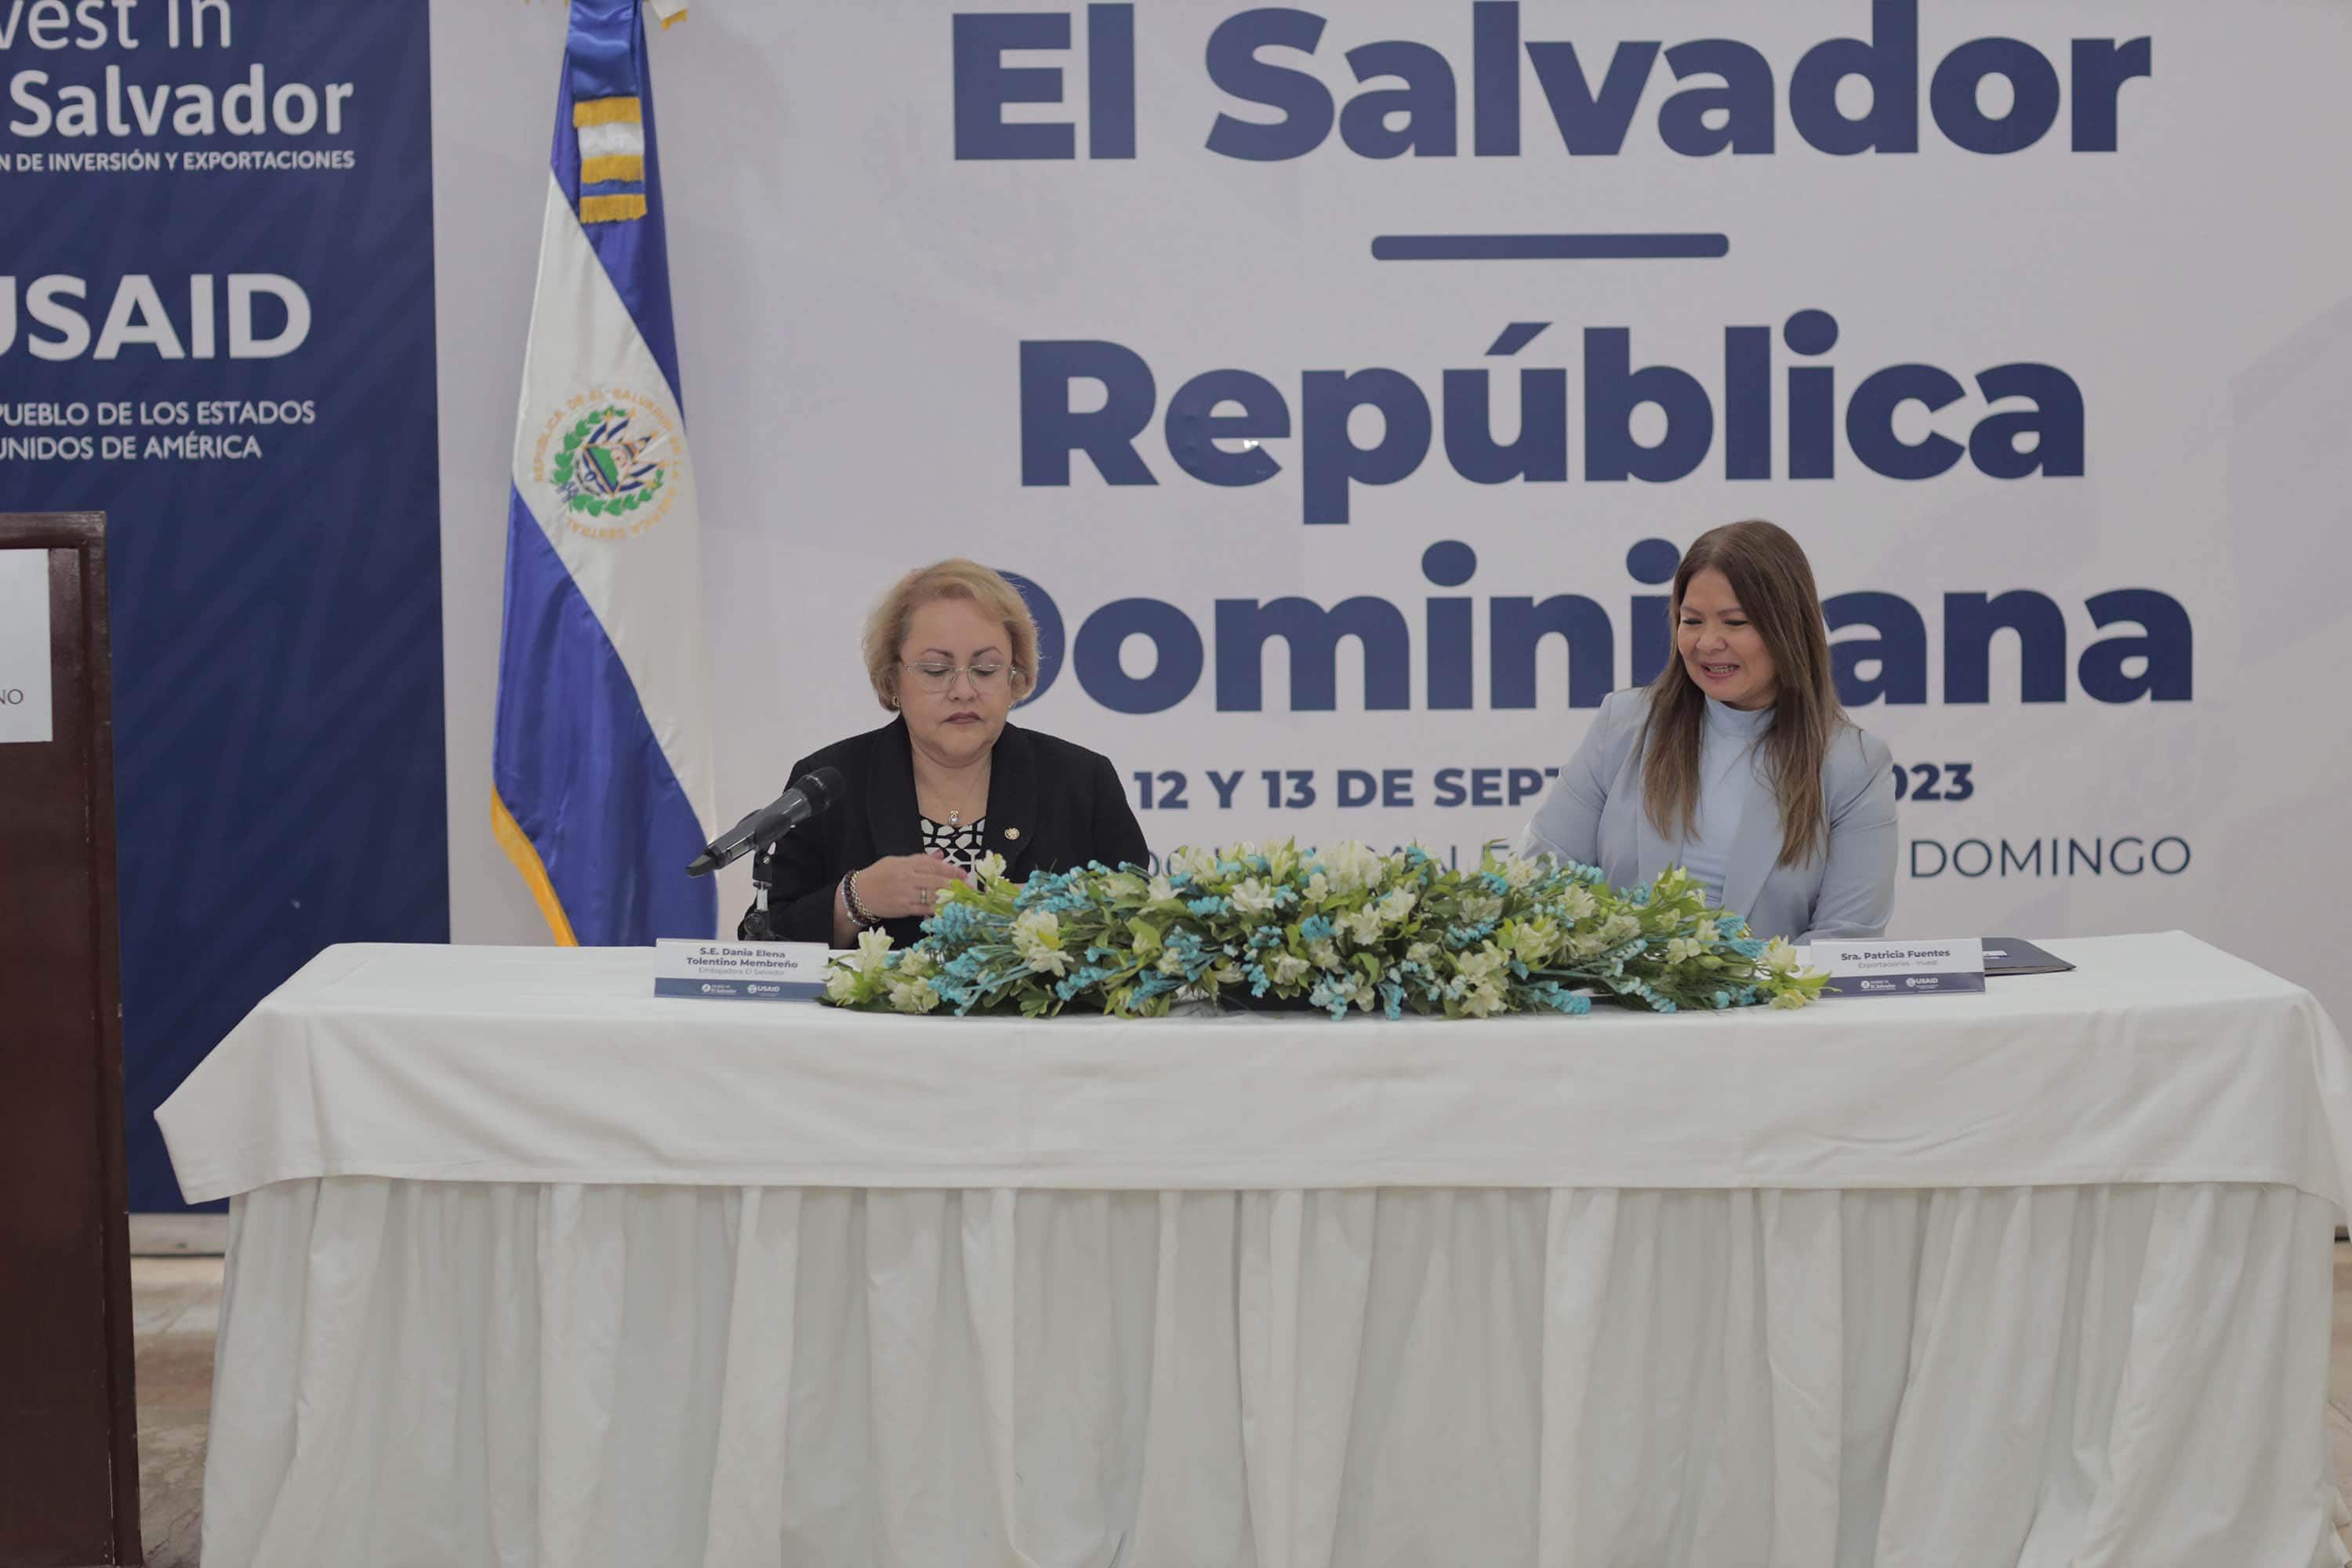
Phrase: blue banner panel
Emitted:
{"points": [[216, 326]]}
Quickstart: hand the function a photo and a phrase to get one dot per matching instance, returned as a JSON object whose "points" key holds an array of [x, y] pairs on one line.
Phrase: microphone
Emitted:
{"points": [[811, 795]]}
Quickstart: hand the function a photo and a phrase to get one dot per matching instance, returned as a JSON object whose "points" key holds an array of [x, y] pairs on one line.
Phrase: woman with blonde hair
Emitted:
{"points": [[1737, 763], [950, 649]]}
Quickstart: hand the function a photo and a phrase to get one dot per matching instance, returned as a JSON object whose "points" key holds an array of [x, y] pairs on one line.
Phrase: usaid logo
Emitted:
{"points": [[139, 316]]}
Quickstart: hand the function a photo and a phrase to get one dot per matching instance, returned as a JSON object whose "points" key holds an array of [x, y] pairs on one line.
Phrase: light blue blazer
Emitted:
{"points": [[1595, 813]]}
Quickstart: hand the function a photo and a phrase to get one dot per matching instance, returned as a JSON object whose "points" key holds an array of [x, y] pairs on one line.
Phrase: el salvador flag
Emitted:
{"points": [[602, 763]]}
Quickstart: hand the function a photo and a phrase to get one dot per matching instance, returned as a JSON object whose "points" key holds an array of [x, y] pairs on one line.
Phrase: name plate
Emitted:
{"points": [[1902, 968], [740, 971]]}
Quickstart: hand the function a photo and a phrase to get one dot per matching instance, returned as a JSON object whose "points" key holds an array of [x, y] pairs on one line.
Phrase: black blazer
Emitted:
{"points": [[1051, 806]]}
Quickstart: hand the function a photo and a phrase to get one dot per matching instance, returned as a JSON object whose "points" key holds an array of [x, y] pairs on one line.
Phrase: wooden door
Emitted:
{"points": [[68, 1449]]}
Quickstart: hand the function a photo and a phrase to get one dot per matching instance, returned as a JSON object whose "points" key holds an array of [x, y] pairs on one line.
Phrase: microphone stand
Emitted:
{"points": [[756, 924]]}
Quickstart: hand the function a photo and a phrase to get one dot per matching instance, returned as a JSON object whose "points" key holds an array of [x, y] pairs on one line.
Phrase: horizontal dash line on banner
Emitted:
{"points": [[1548, 247]]}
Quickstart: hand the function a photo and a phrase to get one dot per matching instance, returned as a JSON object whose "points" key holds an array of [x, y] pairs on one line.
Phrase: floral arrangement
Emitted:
{"points": [[1334, 929]]}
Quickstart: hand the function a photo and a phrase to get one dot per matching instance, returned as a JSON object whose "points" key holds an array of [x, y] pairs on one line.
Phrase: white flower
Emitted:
{"points": [[1424, 954], [841, 984], [1037, 938], [1682, 947], [913, 995], [1477, 908], [1161, 890], [1619, 928], [1194, 862], [1780, 957], [1354, 866], [1364, 925], [1318, 887], [1325, 955], [1170, 963], [1398, 904], [1706, 934], [871, 946], [988, 868], [1516, 872], [1789, 999], [1578, 903], [1474, 966], [1482, 999], [913, 963], [1252, 896], [1288, 968], [1532, 941]]}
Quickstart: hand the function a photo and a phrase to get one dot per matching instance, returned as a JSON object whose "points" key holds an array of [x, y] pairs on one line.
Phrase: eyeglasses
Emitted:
{"points": [[936, 677]]}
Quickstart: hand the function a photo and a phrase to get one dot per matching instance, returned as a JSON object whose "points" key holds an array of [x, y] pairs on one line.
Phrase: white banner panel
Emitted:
{"points": [[1346, 384], [24, 646]]}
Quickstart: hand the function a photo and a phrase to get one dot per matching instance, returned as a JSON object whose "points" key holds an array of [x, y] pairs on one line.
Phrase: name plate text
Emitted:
{"points": [[1935, 968], [740, 971]]}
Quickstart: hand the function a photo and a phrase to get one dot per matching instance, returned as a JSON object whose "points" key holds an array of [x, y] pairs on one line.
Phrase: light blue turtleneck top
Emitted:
{"points": [[1731, 785]]}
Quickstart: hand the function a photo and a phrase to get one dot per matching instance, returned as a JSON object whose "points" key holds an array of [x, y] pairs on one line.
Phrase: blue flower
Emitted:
{"points": [[1330, 997], [1315, 928], [1209, 906]]}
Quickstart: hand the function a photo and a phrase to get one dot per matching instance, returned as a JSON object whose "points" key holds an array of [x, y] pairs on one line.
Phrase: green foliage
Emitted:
{"points": [[1333, 929]]}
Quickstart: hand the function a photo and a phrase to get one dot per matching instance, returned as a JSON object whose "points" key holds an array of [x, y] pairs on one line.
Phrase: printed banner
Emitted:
{"points": [[1345, 384], [216, 326]]}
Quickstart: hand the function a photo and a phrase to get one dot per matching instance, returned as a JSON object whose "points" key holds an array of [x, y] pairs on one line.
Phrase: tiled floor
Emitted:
{"points": [[176, 1307], [174, 1310]]}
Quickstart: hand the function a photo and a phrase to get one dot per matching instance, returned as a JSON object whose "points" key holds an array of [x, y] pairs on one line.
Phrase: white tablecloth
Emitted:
{"points": [[2041, 1277], [2161, 1059]]}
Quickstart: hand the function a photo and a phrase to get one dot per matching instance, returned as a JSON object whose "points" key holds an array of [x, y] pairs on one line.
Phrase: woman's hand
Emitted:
{"points": [[901, 885]]}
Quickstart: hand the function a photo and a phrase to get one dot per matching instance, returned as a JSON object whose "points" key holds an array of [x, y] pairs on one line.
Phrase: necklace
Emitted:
{"points": [[955, 817]]}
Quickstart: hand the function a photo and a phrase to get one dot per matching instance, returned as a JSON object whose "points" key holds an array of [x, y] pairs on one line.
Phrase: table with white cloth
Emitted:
{"points": [[529, 1266]]}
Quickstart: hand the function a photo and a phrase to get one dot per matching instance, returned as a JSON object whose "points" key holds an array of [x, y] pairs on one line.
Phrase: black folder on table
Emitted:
{"points": [[2012, 955]]}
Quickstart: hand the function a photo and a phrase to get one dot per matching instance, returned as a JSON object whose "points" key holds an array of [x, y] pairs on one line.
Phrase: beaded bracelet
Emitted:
{"points": [[856, 911]]}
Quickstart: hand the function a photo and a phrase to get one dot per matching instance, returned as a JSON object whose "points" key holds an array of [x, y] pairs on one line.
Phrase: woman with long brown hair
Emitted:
{"points": [[1737, 763]]}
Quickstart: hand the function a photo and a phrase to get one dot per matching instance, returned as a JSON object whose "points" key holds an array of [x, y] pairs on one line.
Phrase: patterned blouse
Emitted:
{"points": [[962, 843]]}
